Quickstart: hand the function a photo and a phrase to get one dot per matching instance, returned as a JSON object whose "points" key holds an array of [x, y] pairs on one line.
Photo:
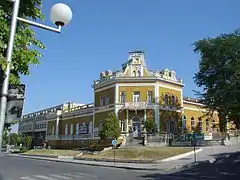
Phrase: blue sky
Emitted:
{"points": [[103, 31]]}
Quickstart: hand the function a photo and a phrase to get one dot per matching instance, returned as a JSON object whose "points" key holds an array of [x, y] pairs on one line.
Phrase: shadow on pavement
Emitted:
{"points": [[223, 166]]}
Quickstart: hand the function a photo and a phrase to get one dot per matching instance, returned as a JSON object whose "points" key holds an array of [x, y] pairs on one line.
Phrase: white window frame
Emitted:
{"points": [[136, 97], [66, 129], [77, 128], [53, 130], [122, 97], [101, 101], [107, 99], [71, 129], [149, 100]]}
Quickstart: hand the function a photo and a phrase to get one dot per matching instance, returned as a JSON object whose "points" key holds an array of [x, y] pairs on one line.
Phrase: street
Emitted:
{"points": [[15, 168], [225, 166]]}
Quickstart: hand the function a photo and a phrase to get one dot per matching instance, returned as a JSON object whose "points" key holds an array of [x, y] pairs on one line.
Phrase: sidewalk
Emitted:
{"points": [[165, 165], [206, 155]]}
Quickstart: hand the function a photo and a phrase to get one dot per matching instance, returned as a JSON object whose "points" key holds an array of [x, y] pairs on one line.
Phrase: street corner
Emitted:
{"points": [[177, 157]]}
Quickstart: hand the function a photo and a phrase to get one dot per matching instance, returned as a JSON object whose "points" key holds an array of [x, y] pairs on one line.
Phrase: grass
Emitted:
{"points": [[145, 153], [52, 152], [140, 153]]}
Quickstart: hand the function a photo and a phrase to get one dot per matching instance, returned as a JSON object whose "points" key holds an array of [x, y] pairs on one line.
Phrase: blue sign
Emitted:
{"points": [[114, 142], [194, 136], [199, 136]]}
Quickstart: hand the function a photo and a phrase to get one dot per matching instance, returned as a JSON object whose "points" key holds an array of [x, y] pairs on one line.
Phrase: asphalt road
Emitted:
{"points": [[16, 168]]}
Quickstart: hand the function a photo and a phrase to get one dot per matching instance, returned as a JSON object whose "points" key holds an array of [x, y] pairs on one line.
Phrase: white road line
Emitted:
{"points": [[44, 177], [191, 173], [209, 177], [85, 174], [74, 175], [27, 178], [227, 174], [60, 176]]}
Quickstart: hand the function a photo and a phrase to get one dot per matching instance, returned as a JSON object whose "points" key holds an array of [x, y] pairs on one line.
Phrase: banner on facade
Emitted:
{"points": [[15, 103]]}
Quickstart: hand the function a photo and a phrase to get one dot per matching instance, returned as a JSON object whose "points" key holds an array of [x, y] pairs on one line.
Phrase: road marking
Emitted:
{"points": [[60, 176], [191, 173], [44, 177], [74, 175], [227, 174], [209, 177], [27, 178]]}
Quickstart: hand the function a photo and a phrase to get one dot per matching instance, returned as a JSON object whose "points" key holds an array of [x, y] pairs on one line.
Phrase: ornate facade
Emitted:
{"points": [[134, 94]]}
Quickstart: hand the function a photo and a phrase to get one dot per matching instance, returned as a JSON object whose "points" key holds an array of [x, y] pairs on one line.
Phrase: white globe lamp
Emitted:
{"points": [[61, 14]]}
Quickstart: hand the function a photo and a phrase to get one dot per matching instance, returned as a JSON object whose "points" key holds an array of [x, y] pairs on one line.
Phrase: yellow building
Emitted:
{"points": [[134, 94]]}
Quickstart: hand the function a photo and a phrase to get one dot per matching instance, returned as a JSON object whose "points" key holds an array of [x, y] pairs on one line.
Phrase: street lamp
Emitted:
{"points": [[60, 14]]}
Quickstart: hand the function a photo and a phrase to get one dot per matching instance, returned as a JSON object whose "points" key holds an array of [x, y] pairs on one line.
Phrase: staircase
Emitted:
{"points": [[133, 142]]}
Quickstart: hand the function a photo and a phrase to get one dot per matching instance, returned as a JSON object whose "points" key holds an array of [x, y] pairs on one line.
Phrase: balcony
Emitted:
{"points": [[138, 105], [71, 137]]}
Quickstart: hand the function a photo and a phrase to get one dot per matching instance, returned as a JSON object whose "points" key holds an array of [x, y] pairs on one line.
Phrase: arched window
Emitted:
{"points": [[207, 125], [166, 99], [139, 74], [192, 123], [200, 124], [134, 73], [173, 100]]}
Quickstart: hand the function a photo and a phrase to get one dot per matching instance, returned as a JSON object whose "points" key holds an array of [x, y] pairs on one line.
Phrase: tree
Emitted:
{"points": [[26, 46], [150, 126], [111, 128], [219, 74]]}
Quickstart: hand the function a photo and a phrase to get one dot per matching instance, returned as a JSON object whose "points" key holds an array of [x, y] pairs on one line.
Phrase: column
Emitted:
{"points": [[127, 121], [59, 113], [157, 120], [145, 115]]}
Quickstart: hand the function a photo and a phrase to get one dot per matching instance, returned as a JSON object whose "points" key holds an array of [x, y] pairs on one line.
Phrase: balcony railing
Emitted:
{"points": [[138, 105], [71, 137]]}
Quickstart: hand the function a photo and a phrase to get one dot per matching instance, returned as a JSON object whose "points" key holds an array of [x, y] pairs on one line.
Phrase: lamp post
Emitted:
{"points": [[60, 15]]}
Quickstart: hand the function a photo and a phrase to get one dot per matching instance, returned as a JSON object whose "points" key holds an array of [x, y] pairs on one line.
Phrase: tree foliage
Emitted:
{"points": [[111, 128], [219, 74], [26, 46], [150, 126]]}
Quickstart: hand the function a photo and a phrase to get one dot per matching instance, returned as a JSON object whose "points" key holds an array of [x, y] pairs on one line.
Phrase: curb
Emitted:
{"points": [[180, 156], [91, 163]]}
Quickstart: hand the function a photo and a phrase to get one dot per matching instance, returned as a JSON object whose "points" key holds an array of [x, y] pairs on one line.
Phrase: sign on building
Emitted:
{"points": [[15, 103]]}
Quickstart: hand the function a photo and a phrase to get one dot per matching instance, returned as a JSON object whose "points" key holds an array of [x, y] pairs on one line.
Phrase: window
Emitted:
{"points": [[53, 130], [77, 129], [134, 73], [207, 125], [122, 125], [107, 100], [192, 124], [184, 120], [122, 97], [71, 129], [136, 96], [83, 128], [101, 101], [166, 99], [200, 124], [66, 129], [174, 101], [139, 74], [149, 96]]}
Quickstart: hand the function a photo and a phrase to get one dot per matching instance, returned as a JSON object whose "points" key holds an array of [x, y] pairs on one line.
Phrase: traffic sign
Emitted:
{"points": [[199, 136], [114, 142]]}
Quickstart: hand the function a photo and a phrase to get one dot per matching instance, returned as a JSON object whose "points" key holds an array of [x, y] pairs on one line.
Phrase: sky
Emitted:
{"points": [[102, 32]]}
